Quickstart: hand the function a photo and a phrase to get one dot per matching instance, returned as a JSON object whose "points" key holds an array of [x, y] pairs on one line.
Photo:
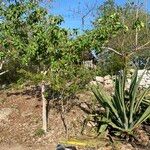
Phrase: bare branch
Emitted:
{"points": [[88, 9], [136, 32], [88, 12], [1, 65], [140, 48], [113, 50], [3, 72]]}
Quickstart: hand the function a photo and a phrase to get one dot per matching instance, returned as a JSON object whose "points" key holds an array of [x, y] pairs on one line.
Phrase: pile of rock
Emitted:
{"points": [[145, 82], [108, 81]]}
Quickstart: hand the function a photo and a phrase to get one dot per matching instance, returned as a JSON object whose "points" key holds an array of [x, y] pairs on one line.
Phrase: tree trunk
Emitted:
{"points": [[1, 67], [44, 113]]}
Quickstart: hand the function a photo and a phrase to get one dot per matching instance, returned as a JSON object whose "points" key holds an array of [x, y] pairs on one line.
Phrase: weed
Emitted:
{"points": [[39, 132]]}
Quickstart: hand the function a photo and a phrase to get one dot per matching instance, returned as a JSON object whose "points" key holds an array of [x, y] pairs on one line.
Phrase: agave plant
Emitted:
{"points": [[123, 108]]}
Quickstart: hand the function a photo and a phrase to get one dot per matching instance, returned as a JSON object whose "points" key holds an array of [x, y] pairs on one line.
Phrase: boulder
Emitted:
{"points": [[109, 81], [88, 64], [99, 79], [107, 77], [142, 83], [93, 83], [140, 72], [148, 82], [129, 81], [108, 86]]}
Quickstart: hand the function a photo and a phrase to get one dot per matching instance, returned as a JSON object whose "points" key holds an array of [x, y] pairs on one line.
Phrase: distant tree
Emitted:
{"points": [[133, 39], [121, 32]]}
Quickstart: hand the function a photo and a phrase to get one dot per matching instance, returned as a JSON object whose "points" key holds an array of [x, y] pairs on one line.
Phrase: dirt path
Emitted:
{"points": [[22, 147]]}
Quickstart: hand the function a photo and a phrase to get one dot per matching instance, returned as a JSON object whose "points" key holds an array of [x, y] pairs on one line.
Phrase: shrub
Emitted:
{"points": [[123, 108], [39, 132]]}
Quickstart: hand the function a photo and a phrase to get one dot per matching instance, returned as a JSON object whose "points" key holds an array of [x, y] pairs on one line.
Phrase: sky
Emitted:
{"points": [[73, 10]]}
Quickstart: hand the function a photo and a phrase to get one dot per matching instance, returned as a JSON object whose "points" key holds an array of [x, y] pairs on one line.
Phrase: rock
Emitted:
{"points": [[3, 86], [147, 128], [108, 86], [131, 71], [26, 113], [91, 124], [4, 113], [88, 64], [127, 147], [141, 137], [62, 147], [127, 86], [84, 106], [107, 77], [129, 81], [148, 82], [99, 79], [143, 83], [109, 81], [93, 83], [106, 148], [146, 86], [140, 72]]}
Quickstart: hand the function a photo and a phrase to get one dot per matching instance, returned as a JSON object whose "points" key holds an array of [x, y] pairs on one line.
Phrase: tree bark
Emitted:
{"points": [[44, 108], [1, 67]]}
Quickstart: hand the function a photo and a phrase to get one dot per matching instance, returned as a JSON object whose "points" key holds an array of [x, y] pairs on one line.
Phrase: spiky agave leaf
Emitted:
{"points": [[123, 109]]}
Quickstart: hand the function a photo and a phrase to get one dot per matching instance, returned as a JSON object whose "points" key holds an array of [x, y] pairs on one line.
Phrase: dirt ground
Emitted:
{"points": [[21, 122]]}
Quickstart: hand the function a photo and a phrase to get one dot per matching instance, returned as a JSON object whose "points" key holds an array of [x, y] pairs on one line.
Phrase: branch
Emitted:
{"points": [[1, 65], [113, 50], [136, 32], [88, 12], [140, 48], [85, 11], [3, 72], [135, 50]]}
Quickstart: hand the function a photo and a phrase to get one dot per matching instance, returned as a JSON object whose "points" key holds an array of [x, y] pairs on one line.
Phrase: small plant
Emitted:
{"points": [[39, 132], [2, 101], [123, 109]]}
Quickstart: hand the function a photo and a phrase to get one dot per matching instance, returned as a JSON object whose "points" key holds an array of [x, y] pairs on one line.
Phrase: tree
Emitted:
{"points": [[2, 63], [32, 37], [119, 35], [132, 39], [44, 51]]}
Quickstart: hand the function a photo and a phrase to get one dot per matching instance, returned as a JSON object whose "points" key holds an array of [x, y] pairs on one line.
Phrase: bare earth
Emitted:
{"points": [[20, 122]]}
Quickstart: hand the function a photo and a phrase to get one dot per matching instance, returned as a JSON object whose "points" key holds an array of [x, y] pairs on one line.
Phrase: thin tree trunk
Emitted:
{"points": [[44, 113], [136, 32], [64, 120], [1, 67]]}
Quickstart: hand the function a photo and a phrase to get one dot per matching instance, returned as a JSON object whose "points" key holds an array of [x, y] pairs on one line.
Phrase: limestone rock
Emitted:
{"points": [[127, 147], [142, 83], [107, 77], [109, 81], [93, 83], [108, 86], [99, 79], [4, 113]]}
